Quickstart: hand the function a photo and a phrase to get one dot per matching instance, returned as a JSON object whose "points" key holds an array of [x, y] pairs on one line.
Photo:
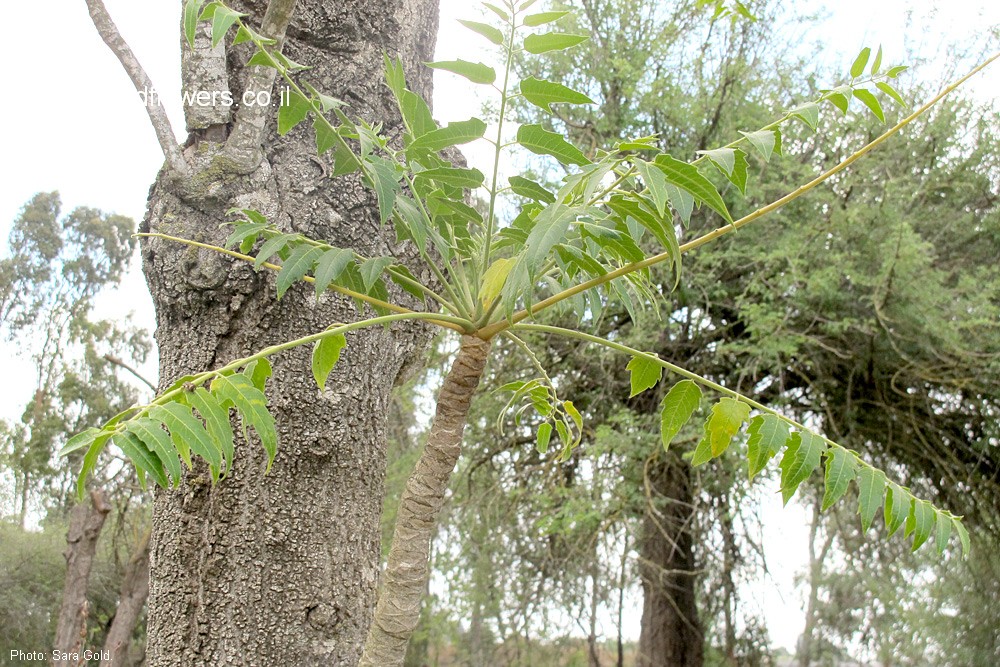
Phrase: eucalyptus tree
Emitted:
{"points": [[575, 247]]}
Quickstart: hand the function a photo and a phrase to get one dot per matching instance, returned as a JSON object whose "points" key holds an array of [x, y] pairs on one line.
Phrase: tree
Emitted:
{"points": [[282, 569], [488, 281]]}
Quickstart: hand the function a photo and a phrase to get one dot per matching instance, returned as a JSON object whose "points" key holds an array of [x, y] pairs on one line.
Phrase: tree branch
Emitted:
{"points": [[112, 359], [143, 84], [245, 141]]}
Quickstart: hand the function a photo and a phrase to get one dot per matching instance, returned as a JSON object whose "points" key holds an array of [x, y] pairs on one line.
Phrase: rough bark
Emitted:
{"points": [[405, 578], [85, 524], [131, 600], [671, 634], [278, 569]]}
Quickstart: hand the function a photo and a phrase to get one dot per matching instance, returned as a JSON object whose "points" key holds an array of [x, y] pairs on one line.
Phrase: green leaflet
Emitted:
{"points": [[676, 409], [527, 188], [273, 245], [686, 176], [858, 68], [891, 92], [808, 113], [841, 468], [258, 371], [79, 441], [145, 461], [187, 433], [292, 112], [219, 450], [963, 536], [535, 20], [656, 183], [474, 72], [157, 441], [552, 41], [543, 437], [330, 266], [94, 451], [897, 507], [942, 532], [800, 459], [239, 392], [459, 132], [723, 158], [542, 142], [920, 522], [871, 102], [326, 354], [643, 374], [461, 178], [550, 227], [544, 94], [192, 9], [767, 435], [384, 179], [245, 232], [371, 270], [494, 279], [763, 142], [724, 423], [486, 30], [296, 266], [871, 490]]}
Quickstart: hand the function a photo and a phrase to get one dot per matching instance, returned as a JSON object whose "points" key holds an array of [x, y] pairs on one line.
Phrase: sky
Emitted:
{"points": [[75, 124]]}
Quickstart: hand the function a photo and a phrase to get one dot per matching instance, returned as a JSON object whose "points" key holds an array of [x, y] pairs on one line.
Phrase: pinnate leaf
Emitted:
{"points": [[296, 266], [474, 72], [920, 522], [542, 142], [897, 507], [543, 94], [687, 177], [724, 423], [238, 391]]}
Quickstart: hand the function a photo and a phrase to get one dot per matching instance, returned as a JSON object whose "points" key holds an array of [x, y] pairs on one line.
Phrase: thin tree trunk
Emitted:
{"points": [[621, 602], [405, 577], [816, 561], [729, 556], [671, 634], [131, 600], [595, 660], [85, 524]]}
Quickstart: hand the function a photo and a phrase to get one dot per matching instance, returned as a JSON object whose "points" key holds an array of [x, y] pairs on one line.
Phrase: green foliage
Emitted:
{"points": [[592, 227]]}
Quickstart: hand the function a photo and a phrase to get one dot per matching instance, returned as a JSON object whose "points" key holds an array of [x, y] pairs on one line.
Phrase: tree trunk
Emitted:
{"points": [[816, 561], [278, 569], [131, 600], [671, 634], [406, 573], [85, 524]]}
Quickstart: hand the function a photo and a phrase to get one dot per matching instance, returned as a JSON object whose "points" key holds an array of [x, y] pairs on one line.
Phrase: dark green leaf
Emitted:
{"points": [[244, 232], [192, 10], [943, 532], [460, 178], [763, 142], [963, 536], [723, 158], [273, 245], [157, 441], [258, 370], [544, 435], [262, 59], [79, 441], [920, 522], [371, 270], [330, 266], [808, 113], [142, 458]]}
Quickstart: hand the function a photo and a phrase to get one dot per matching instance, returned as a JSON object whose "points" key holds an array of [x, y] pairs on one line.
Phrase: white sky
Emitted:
{"points": [[74, 124]]}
